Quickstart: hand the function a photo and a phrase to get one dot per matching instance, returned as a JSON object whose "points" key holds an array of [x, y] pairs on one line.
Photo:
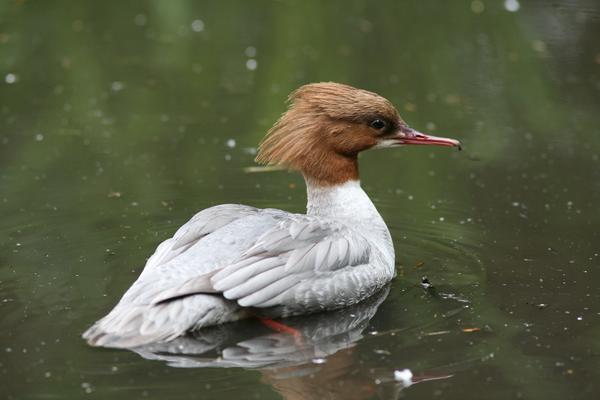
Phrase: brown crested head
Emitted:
{"points": [[324, 128]]}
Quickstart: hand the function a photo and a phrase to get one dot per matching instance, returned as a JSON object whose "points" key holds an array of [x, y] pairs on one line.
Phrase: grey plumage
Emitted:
{"points": [[232, 258]]}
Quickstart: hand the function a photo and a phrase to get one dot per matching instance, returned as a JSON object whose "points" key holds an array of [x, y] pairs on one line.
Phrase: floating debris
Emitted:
{"points": [[382, 352], [469, 330], [404, 377], [267, 168], [436, 333], [114, 194], [425, 284]]}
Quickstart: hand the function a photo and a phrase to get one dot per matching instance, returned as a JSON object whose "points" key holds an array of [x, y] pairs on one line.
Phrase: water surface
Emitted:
{"points": [[119, 122]]}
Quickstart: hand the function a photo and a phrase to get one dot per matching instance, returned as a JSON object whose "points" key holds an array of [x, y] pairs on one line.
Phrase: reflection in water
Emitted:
{"points": [[317, 364]]}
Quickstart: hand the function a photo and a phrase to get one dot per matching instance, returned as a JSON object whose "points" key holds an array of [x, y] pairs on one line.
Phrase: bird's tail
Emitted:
{"points": [[130, 325]]}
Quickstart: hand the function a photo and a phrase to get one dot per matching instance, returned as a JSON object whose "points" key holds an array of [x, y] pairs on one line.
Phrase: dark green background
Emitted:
{"points": [[114, 122]]}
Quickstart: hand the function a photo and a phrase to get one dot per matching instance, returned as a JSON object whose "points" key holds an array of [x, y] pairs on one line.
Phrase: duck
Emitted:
{"points": [[234, 261]]}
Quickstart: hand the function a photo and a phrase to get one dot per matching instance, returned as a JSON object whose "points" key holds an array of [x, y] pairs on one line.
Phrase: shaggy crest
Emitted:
{"points": [[316, 126]]}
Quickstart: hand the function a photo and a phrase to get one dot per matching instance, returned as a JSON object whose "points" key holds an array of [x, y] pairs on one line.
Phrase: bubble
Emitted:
{"points": [[230, 143]]}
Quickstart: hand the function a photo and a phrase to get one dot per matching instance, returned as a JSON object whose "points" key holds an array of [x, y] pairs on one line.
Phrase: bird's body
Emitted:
{"points": [[232, 261]]}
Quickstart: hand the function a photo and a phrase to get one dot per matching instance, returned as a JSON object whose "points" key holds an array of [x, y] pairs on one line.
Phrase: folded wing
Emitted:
{"points": [[297, 249]]}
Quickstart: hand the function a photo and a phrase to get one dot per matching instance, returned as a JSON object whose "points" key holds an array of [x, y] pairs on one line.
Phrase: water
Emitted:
{"points": [[117, 123]]}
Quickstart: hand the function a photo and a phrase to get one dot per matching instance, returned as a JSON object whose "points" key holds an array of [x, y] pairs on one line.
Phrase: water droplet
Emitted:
{"points": [[198, 25], [512, 5], [10, 78], [251, 64]]}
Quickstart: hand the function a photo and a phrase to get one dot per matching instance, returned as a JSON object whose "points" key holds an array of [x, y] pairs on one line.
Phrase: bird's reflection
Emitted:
{"points": [[250, 344], [319, 363]]}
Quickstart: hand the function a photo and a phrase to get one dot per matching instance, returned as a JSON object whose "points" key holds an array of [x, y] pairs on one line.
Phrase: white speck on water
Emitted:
{"points": [[382, 352], [251, 64], [579, 318], [227, 157], [442, 219], [39, 137], [404, 376], [87, 387], [197, 25], [140, 20], [410, 197], [10, 78], [512, 5], [47, 374], [230, 143], [116, 86], [319, 360], [250, 52], [515, 204]]}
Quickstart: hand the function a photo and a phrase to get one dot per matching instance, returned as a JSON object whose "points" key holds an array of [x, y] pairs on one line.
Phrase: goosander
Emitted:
{"points": [[234, 261]]}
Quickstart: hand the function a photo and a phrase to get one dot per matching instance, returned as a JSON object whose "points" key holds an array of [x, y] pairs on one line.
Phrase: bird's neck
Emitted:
{"points": [[345, 201], [349, 204], [327, 168]]}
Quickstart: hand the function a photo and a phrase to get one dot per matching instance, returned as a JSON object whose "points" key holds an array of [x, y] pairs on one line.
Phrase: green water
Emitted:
{"points": [[119, 120]]}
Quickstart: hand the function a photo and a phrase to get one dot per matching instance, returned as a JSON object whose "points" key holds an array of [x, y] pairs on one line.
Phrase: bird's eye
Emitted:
{"points": [[377, 124]]}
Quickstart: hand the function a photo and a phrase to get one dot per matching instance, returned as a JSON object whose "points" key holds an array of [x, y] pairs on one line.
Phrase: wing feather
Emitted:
{"points": [[296, 249]]}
